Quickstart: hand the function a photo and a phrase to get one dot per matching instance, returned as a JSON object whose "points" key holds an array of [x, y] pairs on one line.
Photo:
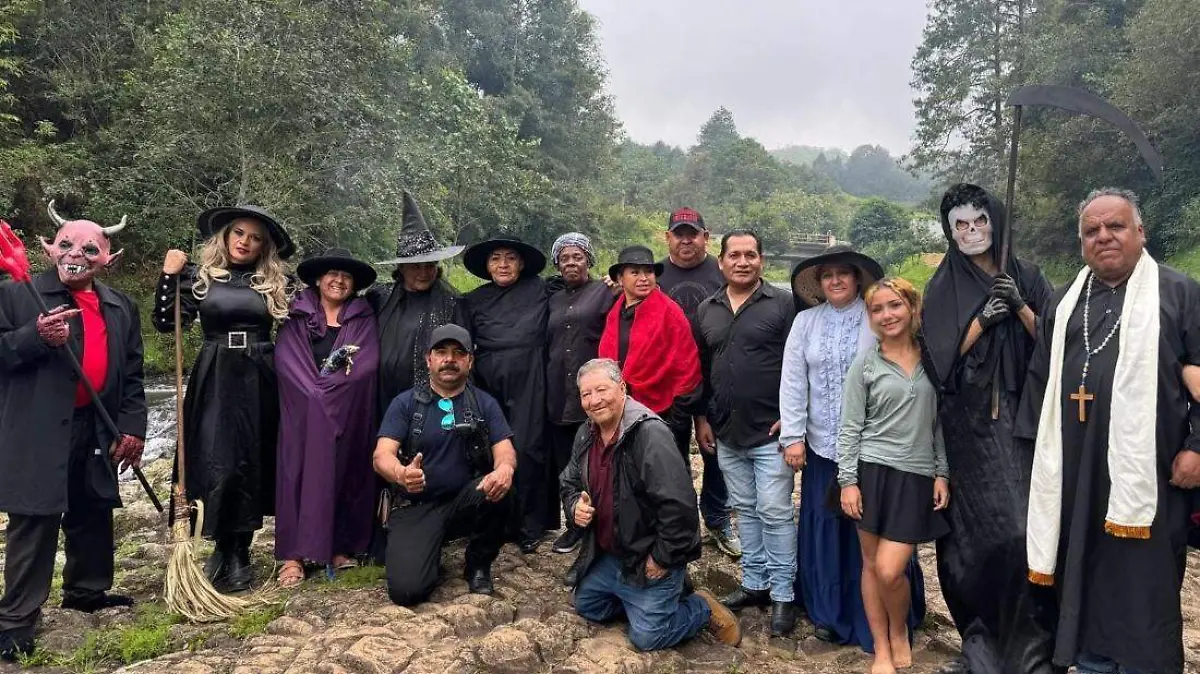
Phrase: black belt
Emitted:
{"points": [[238, 339]]}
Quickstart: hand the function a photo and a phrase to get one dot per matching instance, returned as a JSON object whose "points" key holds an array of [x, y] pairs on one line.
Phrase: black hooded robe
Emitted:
{"points": [[509, 329], [981, 564]]}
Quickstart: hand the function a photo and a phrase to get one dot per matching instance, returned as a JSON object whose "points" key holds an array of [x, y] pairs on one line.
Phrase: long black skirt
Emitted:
{"points": [[231, 428]]}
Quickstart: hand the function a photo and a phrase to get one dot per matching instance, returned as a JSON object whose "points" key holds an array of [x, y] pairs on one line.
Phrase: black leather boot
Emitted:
{"points": [[742, 598], [783, 618], [217, 566], [241, 574]]}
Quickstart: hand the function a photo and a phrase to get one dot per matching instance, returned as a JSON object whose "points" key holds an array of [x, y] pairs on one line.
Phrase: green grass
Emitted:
{"points": [[1187, 262], [255, 622], [148, 636], [358, 578], [915, 272]]}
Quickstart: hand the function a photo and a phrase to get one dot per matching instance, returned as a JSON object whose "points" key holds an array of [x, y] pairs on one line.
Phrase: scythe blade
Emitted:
{"points": [[1083, 102]]}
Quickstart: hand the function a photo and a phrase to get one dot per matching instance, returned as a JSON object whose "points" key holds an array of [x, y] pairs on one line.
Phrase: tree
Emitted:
{"points": [[876, 221], [969, 59], [718, 132]]}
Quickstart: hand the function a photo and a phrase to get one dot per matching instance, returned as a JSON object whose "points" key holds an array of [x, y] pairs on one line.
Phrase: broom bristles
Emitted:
{"points": [[189, 591]]}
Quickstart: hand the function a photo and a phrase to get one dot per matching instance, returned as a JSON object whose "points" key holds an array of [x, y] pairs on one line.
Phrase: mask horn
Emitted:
{"points": [[58, 221], [109, 231]]}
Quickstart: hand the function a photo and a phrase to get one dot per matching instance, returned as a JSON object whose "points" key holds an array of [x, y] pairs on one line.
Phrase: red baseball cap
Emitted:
{"points": [[686, 217]]}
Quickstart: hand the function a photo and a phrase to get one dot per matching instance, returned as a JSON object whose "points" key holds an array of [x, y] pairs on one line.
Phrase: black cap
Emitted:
{"points": [[451, 333], [686, 217]]}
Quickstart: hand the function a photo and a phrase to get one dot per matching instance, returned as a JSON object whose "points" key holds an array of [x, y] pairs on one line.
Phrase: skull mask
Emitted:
{"points": [[971, 228], [80, 250]]}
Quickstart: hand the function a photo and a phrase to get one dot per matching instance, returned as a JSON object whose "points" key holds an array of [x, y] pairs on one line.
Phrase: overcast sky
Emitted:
{"points": [[831, 73]]}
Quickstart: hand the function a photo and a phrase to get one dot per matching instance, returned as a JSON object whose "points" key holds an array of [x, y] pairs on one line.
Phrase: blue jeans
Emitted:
{"points": [[760, 491], [1090, 663], [658, 616]]}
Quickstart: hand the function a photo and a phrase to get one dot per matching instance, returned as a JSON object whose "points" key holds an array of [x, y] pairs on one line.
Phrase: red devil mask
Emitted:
{"points": [[81, 249]]}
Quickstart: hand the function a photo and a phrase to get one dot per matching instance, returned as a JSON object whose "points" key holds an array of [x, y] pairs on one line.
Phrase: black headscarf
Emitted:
{"points": [[956, 293]]}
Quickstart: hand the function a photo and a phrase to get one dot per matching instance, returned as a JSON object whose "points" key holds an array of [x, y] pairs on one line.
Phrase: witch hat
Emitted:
{"points": [[415, 243]]}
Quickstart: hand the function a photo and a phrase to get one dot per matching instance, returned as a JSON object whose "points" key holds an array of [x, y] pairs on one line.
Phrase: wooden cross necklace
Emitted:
{"points": [[1082, 396]]}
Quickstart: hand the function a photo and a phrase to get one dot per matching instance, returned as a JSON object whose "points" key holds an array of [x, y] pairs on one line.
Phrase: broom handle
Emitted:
{"points": [[180, 464]]}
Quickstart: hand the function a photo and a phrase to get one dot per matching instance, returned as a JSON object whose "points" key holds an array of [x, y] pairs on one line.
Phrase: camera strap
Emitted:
{"points": [[422, 399]]}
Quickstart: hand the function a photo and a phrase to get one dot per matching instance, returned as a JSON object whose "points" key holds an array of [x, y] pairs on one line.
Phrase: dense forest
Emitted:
{"points": [[495, 114]]}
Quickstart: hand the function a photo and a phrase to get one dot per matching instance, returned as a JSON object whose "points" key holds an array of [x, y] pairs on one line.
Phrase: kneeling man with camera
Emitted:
{"points": [[448, 450]]}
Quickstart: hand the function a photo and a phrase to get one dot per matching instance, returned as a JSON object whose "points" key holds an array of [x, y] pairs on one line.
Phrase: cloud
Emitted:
{"points": [[812, 72]]}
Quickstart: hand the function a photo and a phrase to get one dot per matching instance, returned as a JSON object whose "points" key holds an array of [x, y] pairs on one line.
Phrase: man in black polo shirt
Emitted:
{"points": [[448, 450], [689, 276], [743, 330]]}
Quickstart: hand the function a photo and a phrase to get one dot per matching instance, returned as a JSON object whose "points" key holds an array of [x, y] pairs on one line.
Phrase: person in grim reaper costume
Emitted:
{"points": [[979, 327], [58, 462]]}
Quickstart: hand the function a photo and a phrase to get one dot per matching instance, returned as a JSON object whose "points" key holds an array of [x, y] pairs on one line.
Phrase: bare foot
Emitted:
{"points": [[901, 652], [882, 665]]}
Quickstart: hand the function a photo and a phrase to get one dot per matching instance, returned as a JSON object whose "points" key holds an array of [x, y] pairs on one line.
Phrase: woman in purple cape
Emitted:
{"points": [[327, 356]]}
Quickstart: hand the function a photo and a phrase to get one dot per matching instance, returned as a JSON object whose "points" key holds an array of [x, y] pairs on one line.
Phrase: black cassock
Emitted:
{"points": [[981, 564], [405, 321], [509, 328], [1119, 597]]}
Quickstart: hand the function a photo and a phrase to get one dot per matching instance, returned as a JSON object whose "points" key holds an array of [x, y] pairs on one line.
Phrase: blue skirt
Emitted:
{"points": [[830, 563]]}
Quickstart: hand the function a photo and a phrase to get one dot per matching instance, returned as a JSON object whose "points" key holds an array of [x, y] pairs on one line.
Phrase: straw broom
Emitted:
{"points": [[188, 590]]}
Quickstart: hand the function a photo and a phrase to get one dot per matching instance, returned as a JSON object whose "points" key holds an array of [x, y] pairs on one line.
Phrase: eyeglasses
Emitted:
{"points": [[447, 405]]}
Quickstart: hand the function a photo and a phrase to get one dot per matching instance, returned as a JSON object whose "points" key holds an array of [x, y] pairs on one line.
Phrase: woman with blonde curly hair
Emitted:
{"points": [[239, 290]]}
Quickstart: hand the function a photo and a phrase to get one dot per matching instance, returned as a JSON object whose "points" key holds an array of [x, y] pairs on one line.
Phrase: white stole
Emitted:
{"points": [[1132, 445]]}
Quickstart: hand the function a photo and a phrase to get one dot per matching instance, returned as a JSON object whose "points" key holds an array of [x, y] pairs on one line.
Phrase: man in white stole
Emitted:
{"points": [[1115, 460]]}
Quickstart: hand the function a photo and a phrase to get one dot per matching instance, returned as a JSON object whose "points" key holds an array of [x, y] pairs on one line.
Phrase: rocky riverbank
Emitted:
{"points": [[347, 625]]}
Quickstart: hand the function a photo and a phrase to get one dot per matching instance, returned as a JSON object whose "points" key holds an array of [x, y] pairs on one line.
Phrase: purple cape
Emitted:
{"points": [[324, 495]]}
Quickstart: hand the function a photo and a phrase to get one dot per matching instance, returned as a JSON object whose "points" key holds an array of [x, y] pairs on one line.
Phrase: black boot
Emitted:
{"points": [[742, 598], [479, 580], [95, 602], [241, 574], [783, 618], [217, 566], [16, 643]]}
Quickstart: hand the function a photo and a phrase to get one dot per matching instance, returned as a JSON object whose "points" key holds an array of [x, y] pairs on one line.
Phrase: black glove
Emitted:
{"points": [[1005, 288], [993, 312]]}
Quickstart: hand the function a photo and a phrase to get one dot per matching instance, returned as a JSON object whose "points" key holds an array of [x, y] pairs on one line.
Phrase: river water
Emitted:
{"points": [[160, 431]]}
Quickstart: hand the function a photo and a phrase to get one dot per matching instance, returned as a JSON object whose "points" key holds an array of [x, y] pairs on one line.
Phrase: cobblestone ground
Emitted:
{"points": [[528, 627]]}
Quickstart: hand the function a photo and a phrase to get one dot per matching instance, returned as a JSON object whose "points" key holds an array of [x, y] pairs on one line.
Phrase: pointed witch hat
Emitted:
{"points": [[415, 243]]}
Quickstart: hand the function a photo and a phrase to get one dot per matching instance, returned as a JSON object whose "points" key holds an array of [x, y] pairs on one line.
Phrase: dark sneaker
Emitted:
{"points": [[15, 644], [727, 541], [568, 542], [722, 623]]}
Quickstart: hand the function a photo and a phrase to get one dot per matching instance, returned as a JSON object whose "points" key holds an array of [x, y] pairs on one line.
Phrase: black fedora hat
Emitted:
{"points": [[211, 221], [807, 286], [316, 266], [476, 257], [640, 256]]}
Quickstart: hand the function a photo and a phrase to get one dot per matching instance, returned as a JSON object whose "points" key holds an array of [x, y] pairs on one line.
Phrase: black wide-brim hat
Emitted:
{"points": [[807, 285], [634, 256], [476, 257], [211, 221], [313, 268]]}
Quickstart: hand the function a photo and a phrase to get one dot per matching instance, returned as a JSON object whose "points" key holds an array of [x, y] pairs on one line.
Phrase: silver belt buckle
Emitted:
{"points": [[236, 340]]}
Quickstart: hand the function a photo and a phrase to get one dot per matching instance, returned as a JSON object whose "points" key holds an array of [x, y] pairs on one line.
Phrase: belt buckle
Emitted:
{"points": [[236, 340]]}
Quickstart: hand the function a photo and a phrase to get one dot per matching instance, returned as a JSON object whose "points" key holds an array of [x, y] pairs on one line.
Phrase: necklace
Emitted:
{"points": [[1082, 396]]}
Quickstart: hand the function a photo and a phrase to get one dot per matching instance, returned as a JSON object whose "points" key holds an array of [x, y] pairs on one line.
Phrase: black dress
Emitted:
{"points": [[509, 328], [406, 320], [231, 408]]}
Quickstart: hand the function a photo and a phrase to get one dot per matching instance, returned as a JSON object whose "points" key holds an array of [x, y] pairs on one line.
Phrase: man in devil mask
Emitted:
{"points": [[58, 463], [979, 326]]}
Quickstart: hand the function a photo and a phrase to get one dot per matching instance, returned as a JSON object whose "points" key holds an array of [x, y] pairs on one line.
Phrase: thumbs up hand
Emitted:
{"points": [[414, 476], [584, 512]]}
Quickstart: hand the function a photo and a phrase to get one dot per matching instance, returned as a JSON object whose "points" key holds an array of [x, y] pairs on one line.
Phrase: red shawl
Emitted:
{"points": [[662, 363]]}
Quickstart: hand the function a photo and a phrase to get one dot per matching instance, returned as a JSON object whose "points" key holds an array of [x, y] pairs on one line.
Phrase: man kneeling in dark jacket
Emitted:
{"points": [[632, 494]]}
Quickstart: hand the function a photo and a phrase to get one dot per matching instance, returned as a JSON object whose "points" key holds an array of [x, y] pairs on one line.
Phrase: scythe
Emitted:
{"points": [[1078, 101]]}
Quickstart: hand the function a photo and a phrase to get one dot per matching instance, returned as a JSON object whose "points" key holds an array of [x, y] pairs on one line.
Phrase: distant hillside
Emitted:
{"points": [[805, 155], [868, 171]]}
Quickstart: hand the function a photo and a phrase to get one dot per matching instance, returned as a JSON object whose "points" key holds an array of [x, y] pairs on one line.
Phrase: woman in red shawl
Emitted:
{"points": [[327, 357], [649, 335]]}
